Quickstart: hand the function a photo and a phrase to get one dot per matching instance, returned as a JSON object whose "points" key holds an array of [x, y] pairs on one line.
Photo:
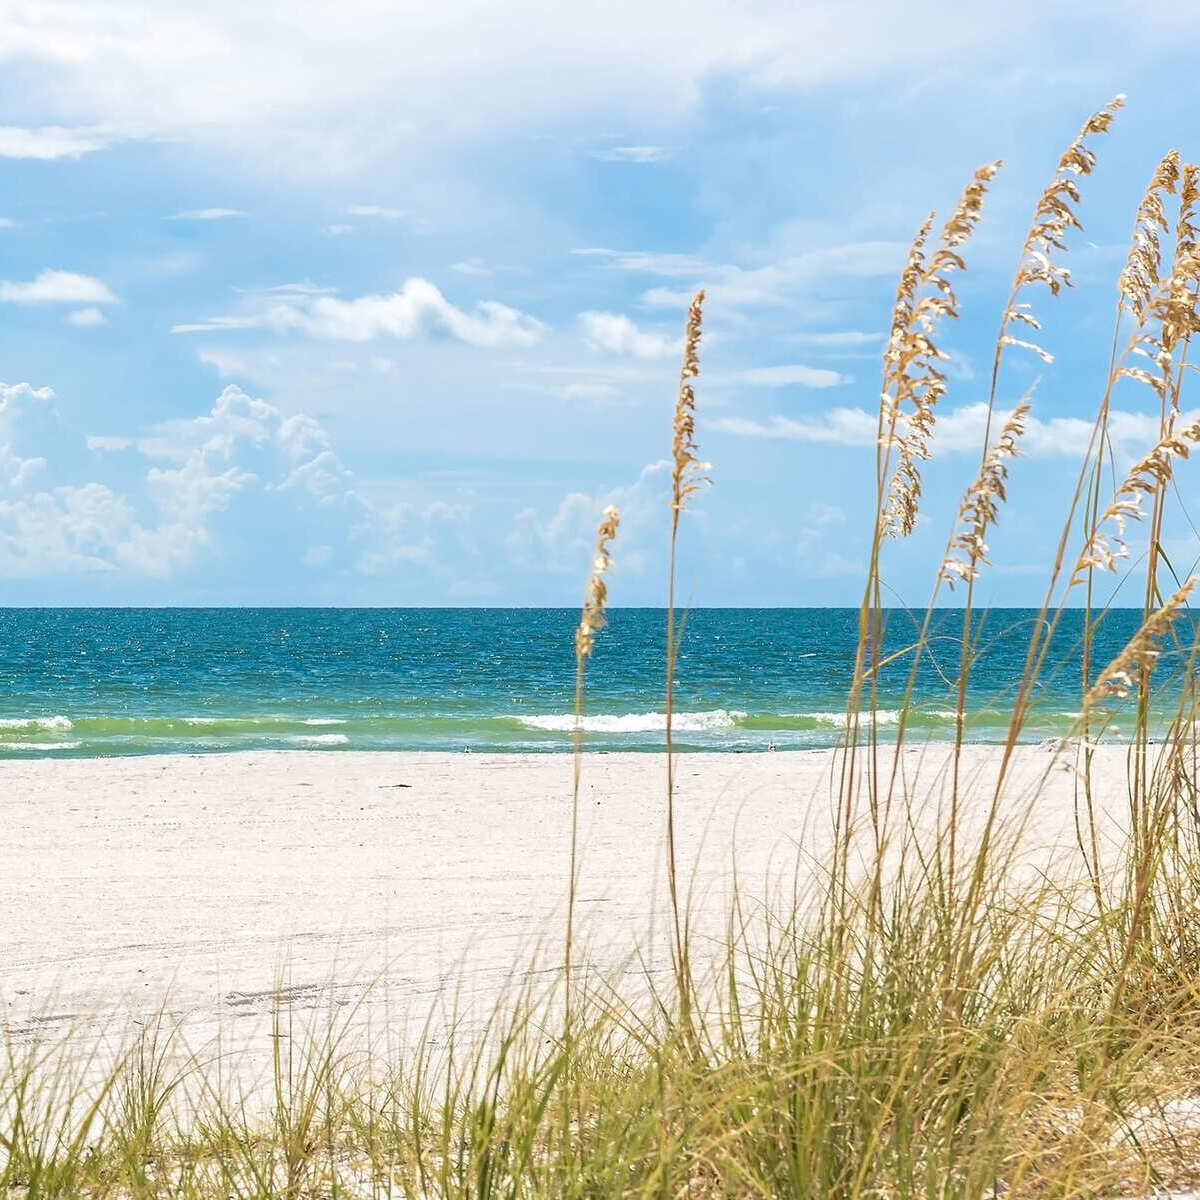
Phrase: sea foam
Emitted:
{"points": [[651, 722], [53, 723]]}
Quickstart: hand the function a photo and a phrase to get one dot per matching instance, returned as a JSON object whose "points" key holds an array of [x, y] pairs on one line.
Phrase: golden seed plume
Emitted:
{"points": [[1185, 228], [595, 596], [1140, 278], [912, 384], [1053, 216], [687, 474], [1141, 653], [979, 506], [1146, 476]]}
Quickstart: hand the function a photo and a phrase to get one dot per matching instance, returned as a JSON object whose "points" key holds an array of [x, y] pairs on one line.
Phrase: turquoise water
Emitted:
{"points": [[137, 681]]}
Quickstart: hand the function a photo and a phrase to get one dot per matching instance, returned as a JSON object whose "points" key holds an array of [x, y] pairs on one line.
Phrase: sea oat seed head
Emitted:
{"points": [[687, 474], [979, 506], [595, 595], [1140, 277], [1141, 653], [912, 384], [1153, 471]]}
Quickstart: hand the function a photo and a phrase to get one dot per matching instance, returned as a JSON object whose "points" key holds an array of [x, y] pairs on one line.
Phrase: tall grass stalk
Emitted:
{"points": [[687, 477]]}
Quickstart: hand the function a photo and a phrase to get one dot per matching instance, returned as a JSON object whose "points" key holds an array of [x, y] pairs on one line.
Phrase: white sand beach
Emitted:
{"points": [[203, 885]]}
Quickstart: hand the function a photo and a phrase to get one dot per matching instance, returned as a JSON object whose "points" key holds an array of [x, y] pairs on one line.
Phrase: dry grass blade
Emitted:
{"points": [[1141, 653], [591, 619]]}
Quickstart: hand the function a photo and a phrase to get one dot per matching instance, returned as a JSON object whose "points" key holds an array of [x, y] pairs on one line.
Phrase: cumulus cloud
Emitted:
{"points": [[561, 542], [615, 333], [57, 287], [418, 310]]}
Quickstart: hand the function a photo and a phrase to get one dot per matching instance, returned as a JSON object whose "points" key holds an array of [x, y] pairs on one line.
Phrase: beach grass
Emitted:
{"points": [[928, 1012]]}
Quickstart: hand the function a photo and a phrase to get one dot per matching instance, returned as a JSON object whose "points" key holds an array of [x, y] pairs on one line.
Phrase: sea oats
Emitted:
{"points": [[1146, 476], [979, 507], [1053, 216], [687, 472], [1140, 278], [1141, 653], [912, 384], [1185, 228], [595, 595]]}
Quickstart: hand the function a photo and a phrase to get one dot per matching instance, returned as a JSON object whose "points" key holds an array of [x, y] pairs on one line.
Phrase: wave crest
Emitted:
{"points": [[51, 723], [651, 722]]}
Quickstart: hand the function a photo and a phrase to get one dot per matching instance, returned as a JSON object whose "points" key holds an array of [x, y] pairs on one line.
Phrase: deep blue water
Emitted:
{"points": [[135, 681]]}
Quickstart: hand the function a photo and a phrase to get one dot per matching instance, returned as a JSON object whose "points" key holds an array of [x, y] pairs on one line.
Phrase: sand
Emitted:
{"points": [[205, 886]]}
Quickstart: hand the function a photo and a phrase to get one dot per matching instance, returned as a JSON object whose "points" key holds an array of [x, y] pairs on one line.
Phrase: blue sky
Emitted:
{"points": [[380, 303]]}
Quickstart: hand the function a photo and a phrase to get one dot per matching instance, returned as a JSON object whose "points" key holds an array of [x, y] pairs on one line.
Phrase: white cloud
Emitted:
{"points": [[86, 317], [472, 266], [840, 339], [418, 310], [57, 287], [382, 211], [339, 230], [730, 285], [206, 214], [648, 262], [838, 426], [106, 443], [959, 430], [562, 542], [51, 141], [226, 363], [632, 154], [792, 375], [236, 73], [615, 333]]}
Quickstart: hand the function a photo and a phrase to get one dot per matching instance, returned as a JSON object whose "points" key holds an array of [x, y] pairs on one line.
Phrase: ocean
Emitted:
{"points": [[92, 682]]}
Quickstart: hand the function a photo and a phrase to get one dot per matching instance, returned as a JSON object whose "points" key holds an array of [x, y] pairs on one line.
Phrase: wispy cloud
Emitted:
{"points": [[57, 287], [731, 285], [472, 266], [649, 262], [206, 214], [792, 375], [418, 310], [86, 318], [632, 154], [960, 430], [50, 142], [838, 339], [382, 211]]}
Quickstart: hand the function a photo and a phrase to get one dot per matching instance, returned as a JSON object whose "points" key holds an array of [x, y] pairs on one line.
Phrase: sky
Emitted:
{"points": [[380, 303]]}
